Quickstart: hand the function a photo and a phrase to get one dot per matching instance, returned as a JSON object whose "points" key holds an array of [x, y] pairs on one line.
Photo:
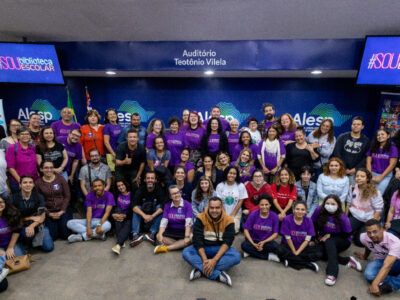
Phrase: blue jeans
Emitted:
{"points": [[79, 226], [228, 260], [18, 251], [137, 220], [384, 183], [48, 244], [393, 278]]}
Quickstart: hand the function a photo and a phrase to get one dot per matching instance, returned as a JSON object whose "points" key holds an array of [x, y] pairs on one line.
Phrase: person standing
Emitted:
{"points": [[64, 126], [135, 124]]}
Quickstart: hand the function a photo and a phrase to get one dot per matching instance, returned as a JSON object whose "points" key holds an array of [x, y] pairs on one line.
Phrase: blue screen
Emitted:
{"points": [[380, 62], [29, 63]]}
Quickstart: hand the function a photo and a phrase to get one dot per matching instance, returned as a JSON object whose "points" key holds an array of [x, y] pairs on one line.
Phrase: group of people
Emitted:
{"points": [[195, 185]]}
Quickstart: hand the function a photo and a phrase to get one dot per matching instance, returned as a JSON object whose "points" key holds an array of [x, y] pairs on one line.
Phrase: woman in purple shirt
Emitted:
{"points": [[21, 159], [193, 136], [233, 136], [214, 140], [297, 231], [186, 164], [288, 128], [245, 165], [122, 215], [176, 223], [381, 159], [111, 132], [155, 128], [260, 230], [244, 143], [175, 141], [333, 236]]}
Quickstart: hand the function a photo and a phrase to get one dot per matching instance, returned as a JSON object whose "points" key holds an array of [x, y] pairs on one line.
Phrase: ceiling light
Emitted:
{"points": [[316, 72], [111, 73], [209, 72]]}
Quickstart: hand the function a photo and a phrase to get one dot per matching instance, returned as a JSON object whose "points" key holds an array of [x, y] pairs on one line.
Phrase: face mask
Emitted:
{"points": [[331, 208]]}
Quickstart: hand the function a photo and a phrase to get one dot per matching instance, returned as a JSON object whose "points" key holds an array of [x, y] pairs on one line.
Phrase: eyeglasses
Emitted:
{"points": [[75, 136], [176, 193]]}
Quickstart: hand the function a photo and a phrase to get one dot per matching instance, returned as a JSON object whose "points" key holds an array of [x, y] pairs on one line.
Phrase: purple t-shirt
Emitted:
{"points": [[381, 160], [270, 159], [239, 148], [330, 226], [244, 176], [150, 140], [123, 202], [268, 124], [74, 151], [177, 216], [395, 202], [5, 233], [213, 142], [233, 140], [98, 205], [287, 136], [193, 137], [188, 166], [113, 130], [224, 123], [61, 129], [175, 143], [262, 228], [297, 233]]}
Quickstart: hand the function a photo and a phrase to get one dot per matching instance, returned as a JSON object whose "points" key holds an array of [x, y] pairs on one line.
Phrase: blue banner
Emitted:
{"points": [[330, 54], [309, 101]]}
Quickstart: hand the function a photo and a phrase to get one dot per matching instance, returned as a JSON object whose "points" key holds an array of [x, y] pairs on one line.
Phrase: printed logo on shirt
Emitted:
{"points": [[99, 205], [192, 134], [380, 155], [5, 230], [262, 227], [214, 141], [124, 201], [56, 187], [353, 147], [175, 142], [229, 200], [298, 233], [90, 134], [330, 225], [177, 216], [71, 154]]}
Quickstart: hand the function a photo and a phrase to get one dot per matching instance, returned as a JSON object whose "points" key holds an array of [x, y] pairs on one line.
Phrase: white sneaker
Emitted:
{"points": [[286, 263], [116, 249], [3, 274], [354, 263], [330, 280], [73, 238], [315, 266], [245, 254], [225, 278], [195, 274], [273, 257]]}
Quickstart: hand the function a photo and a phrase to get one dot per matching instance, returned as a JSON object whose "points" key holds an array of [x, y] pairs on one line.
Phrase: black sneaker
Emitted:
{"points": [[150, 237], [137, 239], [195, 274], [385, 288], [225, 278]]}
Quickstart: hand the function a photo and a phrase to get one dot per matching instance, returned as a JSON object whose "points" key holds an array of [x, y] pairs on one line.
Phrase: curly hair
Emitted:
{"points": [[277, 179], [317, 133], [369, 190], [198, 196], [151, 125], [93, 112], [12, 215], [292, 125], [375, 145], [323, 215], [277, 128], [342, 170]]}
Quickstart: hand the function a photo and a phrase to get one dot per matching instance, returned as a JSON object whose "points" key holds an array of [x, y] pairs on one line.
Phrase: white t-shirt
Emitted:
{"points": [[255, 137], [3, 174], [230, 195]]}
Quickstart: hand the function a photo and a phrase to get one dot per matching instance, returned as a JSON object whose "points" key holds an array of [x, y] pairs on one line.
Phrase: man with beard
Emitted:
{"points": [[148, 203], [92, 171], [135, 124], [383, 273], [269, 113]]}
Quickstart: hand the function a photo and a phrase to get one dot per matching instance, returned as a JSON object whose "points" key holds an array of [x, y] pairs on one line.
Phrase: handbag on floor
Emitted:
{"points": [[18, 264]]}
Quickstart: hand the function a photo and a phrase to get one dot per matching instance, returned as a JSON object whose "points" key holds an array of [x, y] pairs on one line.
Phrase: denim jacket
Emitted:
{"points": [[312, 199]]}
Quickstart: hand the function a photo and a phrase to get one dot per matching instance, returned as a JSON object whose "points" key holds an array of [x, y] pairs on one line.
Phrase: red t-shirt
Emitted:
{"points": [[87, 139], [250, 203], [284, 194]]}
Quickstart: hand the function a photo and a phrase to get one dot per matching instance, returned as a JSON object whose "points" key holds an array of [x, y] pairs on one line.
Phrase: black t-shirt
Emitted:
{"points": [[29, 207], [54, 154], [149, 200], [297, 158], [138, 155]]}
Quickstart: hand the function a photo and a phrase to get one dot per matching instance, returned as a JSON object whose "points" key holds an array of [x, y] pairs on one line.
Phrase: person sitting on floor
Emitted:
{"points": [[99, 204], [211, 253]]}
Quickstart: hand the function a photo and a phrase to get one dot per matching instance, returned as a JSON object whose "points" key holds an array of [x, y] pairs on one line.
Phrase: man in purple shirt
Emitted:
{"points": [[216, 113], [64, 126], [269, 112], [99, 203], [383, 273], [74, 151]]}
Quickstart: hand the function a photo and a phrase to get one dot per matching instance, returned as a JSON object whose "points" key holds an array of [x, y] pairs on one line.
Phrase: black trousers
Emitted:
{"points": [[331, 249], [123, 229], [58, 228], [268, 248], [301, 261]]}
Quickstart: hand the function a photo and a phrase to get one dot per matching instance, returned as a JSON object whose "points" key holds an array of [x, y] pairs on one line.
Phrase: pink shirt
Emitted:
{"points": [[390, 245], [23, 161], [395, 202]]}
